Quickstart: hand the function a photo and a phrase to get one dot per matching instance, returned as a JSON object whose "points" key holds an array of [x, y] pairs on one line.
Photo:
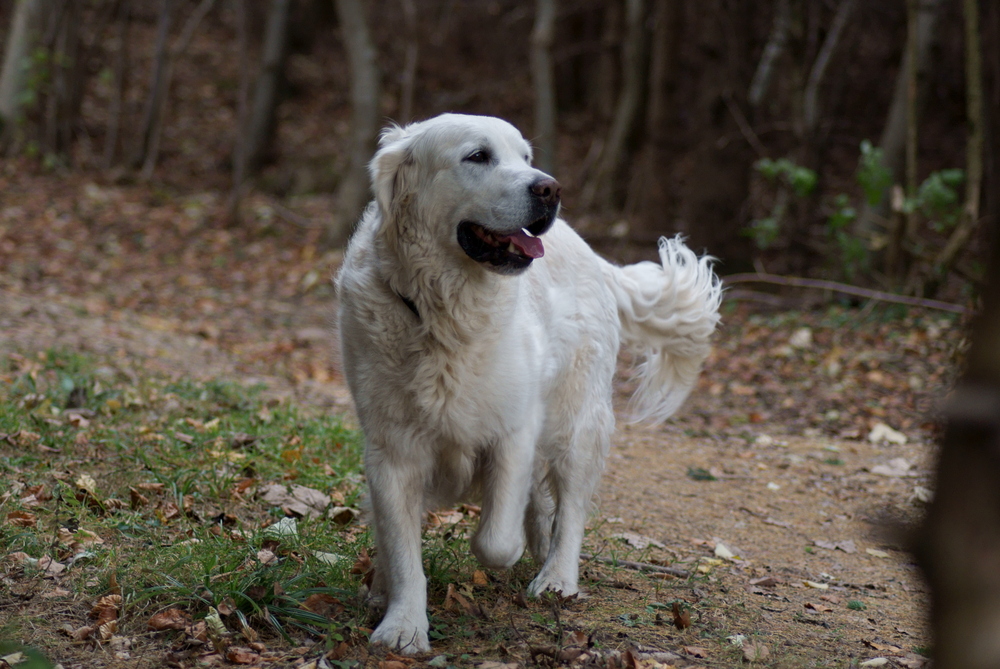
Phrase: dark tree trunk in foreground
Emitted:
{"points": [[352, 194], [959, 545], [960, 542]]}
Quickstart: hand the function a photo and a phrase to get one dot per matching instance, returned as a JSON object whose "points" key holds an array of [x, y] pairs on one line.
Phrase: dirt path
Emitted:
{"points": [[816, 574]]}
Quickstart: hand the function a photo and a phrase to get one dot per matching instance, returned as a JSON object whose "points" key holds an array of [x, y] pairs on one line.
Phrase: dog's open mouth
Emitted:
{"points": [[507, 251]]}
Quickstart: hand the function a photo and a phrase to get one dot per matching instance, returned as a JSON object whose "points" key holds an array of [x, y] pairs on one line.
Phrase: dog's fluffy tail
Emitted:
{"points": [[668, 313]]}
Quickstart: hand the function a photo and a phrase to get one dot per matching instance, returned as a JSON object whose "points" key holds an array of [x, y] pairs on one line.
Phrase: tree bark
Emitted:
{"points": [[605, 189], [121, 75], [772, 51], [25, 28], [543, 78], [157, 77], [810, 106], [353, 193], [266, 92], [410, 64], [973, 150], [894, 133], [959, 543]]}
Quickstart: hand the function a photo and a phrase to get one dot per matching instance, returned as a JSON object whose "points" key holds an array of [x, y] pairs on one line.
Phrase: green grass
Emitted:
{"points": [[148, 487]]}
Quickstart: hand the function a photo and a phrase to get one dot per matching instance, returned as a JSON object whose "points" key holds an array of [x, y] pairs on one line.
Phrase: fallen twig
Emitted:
{"points": [[637, 566], [822, 284]]}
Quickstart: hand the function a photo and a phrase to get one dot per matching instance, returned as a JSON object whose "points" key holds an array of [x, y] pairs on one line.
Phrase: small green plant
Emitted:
{"points": [[872, 175], [938, 199], [855, 605], [802, 180]]}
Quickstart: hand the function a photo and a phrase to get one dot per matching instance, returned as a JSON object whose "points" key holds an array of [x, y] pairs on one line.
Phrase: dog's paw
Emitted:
{"points": [[402, 636], [549, 582]]}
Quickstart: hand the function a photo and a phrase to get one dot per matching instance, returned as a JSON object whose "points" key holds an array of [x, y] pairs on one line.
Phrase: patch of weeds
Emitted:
{"points": [[855, 605], [834, 461]]}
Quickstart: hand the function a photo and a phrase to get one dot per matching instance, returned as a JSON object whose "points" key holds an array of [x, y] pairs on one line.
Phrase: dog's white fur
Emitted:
{"points": [[491, 384]]}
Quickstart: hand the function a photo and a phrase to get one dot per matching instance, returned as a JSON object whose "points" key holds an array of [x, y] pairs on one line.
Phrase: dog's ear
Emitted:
{"points": [[391, 179]]}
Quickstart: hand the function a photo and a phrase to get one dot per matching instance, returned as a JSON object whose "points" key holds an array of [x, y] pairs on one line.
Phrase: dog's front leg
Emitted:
{"points": [[499, 541], [396, 488]]}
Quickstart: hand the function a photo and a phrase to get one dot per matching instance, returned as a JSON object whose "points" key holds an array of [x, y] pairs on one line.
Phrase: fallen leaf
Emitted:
{"points": [[106, 609], [817, 586], [682, 618], [50, 566], [86, 483], [819, 608], [895, 468], [883, 433], [874, 662], [846, 546], [765, 581], [754, 651], [295, 499], [479, 578], [722, 551], [240, 655], [21, 519], [876, 553], [695, 651], [323, 604]]}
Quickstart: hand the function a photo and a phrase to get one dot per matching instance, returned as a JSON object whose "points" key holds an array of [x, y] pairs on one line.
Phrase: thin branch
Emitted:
{"points": [[637, 566], [774, 48], [822, 284], [744, 125], [811, 95]]}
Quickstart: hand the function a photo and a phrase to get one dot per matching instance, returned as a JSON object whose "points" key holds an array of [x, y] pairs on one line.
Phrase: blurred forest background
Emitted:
{"points": [[842, 139]]}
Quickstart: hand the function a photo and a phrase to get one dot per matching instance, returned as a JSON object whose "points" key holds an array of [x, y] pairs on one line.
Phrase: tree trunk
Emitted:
{"points": [[605, 189], [959, 543], [353, 193], [25, 29], [266, 93], [893, 140], [810, 104], [121, 75], [973, 151], [543, 77], [410, 64], [156, 85], [772, 51]]}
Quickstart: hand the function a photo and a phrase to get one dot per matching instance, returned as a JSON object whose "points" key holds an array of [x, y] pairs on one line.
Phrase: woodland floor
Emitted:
{"points": [[770, 458]]}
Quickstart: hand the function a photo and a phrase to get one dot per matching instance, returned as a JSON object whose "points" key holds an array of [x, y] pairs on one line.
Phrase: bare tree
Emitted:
{"points": [[265, 99], [543, 77], [352, 194], [409, 79], [775, 46], [973, 150], [157, 89], [894, 134], [25, 30], [810, 104], [604, 189]]}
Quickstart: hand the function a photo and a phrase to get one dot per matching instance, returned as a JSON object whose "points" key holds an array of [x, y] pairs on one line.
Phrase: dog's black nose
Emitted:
{"points": [[547, 190]]}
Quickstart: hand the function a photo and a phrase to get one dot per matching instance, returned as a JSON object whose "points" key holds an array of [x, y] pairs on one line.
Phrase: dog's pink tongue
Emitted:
{"points": [[528, 245]]}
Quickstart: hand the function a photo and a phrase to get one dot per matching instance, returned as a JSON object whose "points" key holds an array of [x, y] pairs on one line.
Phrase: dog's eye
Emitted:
{"points": [[478, 156]]}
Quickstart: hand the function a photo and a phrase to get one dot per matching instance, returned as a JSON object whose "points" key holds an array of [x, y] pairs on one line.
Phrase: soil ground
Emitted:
{"points": [[766, 486]]}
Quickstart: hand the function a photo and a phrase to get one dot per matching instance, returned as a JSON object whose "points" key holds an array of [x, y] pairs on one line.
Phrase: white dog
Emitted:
{"points": [[480, 336]]}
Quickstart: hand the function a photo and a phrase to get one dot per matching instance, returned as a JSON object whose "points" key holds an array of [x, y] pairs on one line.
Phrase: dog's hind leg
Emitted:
{"points": [[499, 540], [396, 490], [575, 476], [538, 519]]}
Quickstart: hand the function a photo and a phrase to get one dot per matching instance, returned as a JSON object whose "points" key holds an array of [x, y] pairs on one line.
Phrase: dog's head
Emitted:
{"points": [[465, 185]]}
